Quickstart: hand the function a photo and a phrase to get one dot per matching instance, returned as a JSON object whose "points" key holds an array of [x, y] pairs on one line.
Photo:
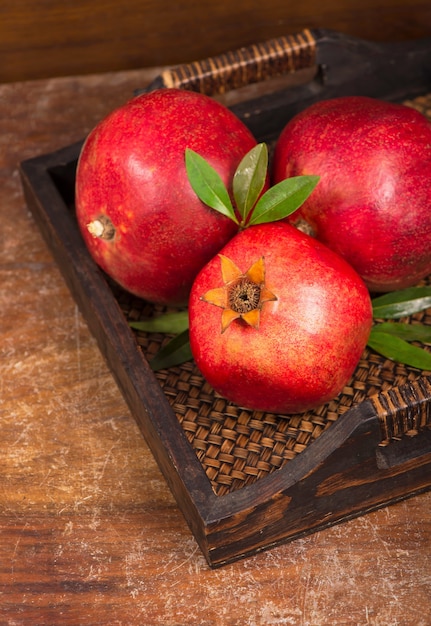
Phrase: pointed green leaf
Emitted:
{"points": [[175, 352], [283, 199], [399, 350], [249, 179], [402, 303], [207, 184], [167, 323], [409, 332]]}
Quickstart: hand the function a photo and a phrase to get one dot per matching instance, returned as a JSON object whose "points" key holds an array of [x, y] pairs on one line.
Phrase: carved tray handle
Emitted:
{"points": [[405, 410], [244, 66]]}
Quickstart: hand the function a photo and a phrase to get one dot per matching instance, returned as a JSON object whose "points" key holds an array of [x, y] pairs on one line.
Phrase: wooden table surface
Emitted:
{"points": [[89, 531]]}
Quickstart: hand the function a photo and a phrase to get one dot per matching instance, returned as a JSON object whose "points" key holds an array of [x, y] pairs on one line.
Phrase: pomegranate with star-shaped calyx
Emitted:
{"points": [[277, 321]]}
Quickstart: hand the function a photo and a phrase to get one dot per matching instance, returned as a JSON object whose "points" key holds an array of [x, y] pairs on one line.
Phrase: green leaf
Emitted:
{"points": [[167, 323], [249, 179], [175, 352], [402, 303], [409, 332], [399, 350], [208, 185], [283, 199]]}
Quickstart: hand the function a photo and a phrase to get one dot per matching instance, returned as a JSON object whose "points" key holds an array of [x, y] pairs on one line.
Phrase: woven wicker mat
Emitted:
{"points": [[235, 446]]}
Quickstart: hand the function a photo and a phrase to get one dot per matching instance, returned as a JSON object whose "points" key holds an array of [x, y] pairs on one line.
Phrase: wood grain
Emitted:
{"points": [[89, 532], [49, 38]]}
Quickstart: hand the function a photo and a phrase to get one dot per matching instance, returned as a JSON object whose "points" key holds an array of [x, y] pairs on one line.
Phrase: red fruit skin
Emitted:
{"points": [[309, 341], [372, 204], [132, 169]]}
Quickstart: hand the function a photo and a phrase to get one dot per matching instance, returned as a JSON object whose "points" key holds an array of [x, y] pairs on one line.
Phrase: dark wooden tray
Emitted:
{"points": [[244, 480]]}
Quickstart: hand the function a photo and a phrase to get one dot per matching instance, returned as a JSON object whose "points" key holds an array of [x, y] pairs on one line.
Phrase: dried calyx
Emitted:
{"points": [[242, 295], [102, 227]]}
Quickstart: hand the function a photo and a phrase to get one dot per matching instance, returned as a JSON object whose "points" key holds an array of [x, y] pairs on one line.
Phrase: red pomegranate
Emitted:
{"points": [[137, 212], [277, 321], [373, 201]]}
